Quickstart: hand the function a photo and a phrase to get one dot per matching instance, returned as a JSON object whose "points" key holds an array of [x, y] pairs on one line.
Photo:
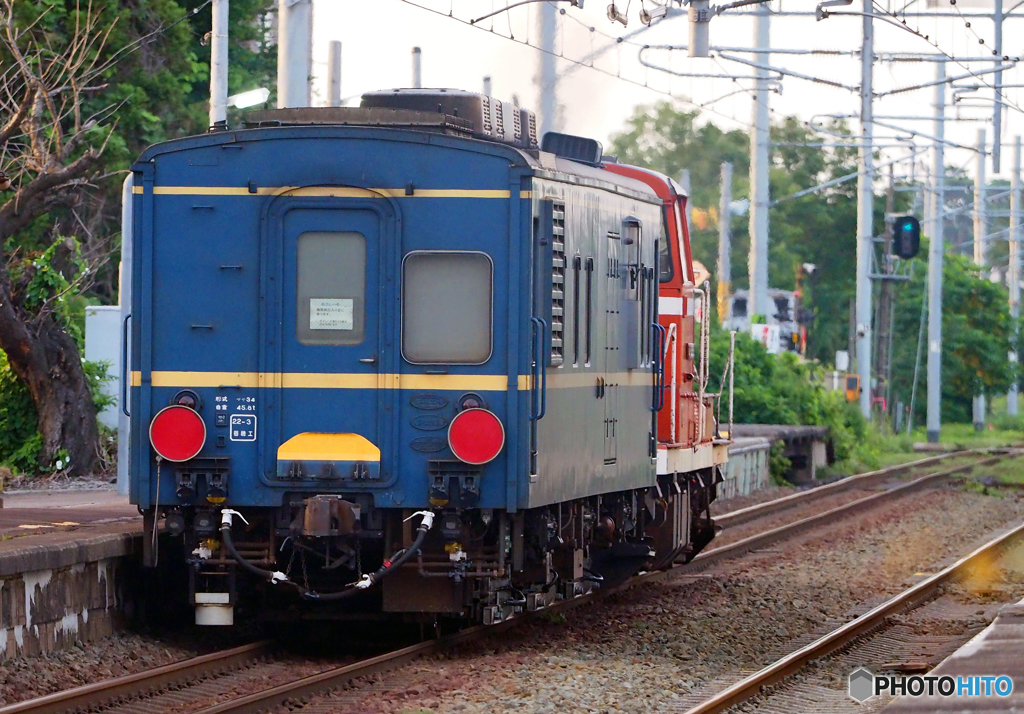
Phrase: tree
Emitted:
{"points": [[818, 228], [976, 338], [53, 149], [84, 88]]}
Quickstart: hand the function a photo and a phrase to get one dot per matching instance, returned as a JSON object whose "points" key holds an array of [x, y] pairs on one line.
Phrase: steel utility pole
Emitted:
{"points": [[1013, 274], [997, 115], [936, 252], [980, 250], [724, 243], [548, 19], [334, 74], [885, 299], [219, 65], [417, 68], [865, 213], [294, 52], [757, 265]]}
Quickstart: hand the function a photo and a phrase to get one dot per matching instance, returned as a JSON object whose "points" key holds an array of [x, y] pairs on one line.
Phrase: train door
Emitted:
{"points": [[612, 348], [326, 372]]}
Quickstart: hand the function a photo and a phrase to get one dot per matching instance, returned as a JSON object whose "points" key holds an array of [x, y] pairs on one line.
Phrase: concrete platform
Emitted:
{"points": [[997, 650], [66, 565], [28, 512]]}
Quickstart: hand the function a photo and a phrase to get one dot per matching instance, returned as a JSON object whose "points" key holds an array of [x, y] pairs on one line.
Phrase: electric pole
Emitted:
{"points": [[936, 252], [334, 74], [885, 300], [757, 266], [724, 243], [997, 115], [980, 251], [294, 52], [865, 213], [417, 68], [548, 19], [219, 65], [1013, 274]]}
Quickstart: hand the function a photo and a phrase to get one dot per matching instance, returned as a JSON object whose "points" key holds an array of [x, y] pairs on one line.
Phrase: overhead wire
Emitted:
{"points": [[927, 38], [644, 85]]}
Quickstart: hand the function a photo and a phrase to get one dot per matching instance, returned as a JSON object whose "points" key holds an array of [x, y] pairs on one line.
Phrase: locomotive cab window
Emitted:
{"points": [[331, 288], [446, 307], [666, 268]]}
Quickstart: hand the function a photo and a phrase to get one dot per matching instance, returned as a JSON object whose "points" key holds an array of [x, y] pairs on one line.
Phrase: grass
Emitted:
{"points": [[879, 450], [1005, 471]]}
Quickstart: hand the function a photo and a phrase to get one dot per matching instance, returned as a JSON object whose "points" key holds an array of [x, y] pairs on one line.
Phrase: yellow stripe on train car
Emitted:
{"points": [[325, 192]]}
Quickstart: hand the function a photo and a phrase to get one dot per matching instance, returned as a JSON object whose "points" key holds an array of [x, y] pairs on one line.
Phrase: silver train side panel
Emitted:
{"points": [[595, 435]]}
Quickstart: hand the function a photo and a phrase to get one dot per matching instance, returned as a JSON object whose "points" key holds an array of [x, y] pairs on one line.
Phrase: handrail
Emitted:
{"points": [[538, 374], [126, 369], [659, 338]]}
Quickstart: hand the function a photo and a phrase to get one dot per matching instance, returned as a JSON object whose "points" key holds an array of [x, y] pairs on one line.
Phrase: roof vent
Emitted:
{"points": [[575, 148], [492, 120]]}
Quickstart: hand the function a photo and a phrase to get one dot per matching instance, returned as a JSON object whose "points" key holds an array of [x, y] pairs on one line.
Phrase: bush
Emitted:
{"points": [[782, 389], [20, 440]]}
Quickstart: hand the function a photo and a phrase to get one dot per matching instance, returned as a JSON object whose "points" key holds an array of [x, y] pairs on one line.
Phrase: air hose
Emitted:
{"points": [[364, 583]]}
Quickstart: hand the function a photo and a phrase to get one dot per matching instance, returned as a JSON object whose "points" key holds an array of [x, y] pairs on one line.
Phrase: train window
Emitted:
{"points": [[330, 288], [577, 264], [446, 307], [665, 266]]}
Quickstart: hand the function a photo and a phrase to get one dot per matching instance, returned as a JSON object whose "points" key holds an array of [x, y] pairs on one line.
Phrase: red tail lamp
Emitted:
{"points": [[177, 433], [476, 436]]}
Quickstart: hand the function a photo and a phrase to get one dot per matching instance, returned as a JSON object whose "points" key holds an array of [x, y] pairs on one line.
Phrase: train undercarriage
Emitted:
{"points": [[464, 564]]}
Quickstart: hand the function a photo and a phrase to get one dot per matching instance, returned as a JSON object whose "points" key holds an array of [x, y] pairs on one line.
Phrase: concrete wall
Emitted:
{"points": [[55, 594], [747, 469]]}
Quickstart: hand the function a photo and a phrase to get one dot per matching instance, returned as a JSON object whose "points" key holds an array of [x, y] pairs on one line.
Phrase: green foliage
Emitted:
{"points": [[819, 228], [782, 389], [778, 464], [976, 338], [20, 441]]}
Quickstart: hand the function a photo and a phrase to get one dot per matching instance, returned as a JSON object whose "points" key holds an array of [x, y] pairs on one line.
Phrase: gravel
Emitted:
{"points": [[647, 649], [27, 677]]}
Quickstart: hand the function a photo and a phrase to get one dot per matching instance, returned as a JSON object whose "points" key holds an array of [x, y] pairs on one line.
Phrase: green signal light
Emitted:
{"points": [[908, 226]]}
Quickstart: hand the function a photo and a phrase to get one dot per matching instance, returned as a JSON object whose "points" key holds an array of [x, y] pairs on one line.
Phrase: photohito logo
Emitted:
{"points": [[864, 684]]}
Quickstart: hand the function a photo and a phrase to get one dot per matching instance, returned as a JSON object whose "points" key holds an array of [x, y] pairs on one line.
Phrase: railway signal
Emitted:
{"points": [[906, 237]]}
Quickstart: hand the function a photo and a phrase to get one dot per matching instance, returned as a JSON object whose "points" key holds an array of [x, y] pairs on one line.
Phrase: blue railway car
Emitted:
{"points": [[395, 359]]}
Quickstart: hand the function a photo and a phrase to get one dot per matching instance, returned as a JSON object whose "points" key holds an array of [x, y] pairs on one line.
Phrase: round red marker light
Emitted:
{"points": [[476, 436], [177, 433]]}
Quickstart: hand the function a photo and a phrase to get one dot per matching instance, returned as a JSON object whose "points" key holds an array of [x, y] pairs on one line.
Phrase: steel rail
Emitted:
{"points": [[792, 663], [139, 684], [865, 480], [342, 676], [103, 693]]}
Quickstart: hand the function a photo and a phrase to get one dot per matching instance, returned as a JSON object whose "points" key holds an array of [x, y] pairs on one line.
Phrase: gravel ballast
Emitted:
{"points": [[645, 649]]}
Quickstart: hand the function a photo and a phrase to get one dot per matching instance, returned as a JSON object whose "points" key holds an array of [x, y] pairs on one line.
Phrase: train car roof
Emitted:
{"points": [[542, 164]]}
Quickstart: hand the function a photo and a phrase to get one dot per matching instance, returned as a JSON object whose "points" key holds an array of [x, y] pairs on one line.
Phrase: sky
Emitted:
{"points": [[377, 37]]}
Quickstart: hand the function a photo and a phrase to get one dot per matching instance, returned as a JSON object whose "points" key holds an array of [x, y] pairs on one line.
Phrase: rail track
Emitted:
{"points": [[111, 694], [913, 597]]}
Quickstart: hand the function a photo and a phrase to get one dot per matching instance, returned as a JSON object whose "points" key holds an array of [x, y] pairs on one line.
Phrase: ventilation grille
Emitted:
{"points": [[488, 124], [531, 130], [558, 285], [517, 127]]}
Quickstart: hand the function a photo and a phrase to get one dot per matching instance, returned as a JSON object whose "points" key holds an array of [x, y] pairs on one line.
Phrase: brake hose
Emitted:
{"points": [[364, 583]]}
